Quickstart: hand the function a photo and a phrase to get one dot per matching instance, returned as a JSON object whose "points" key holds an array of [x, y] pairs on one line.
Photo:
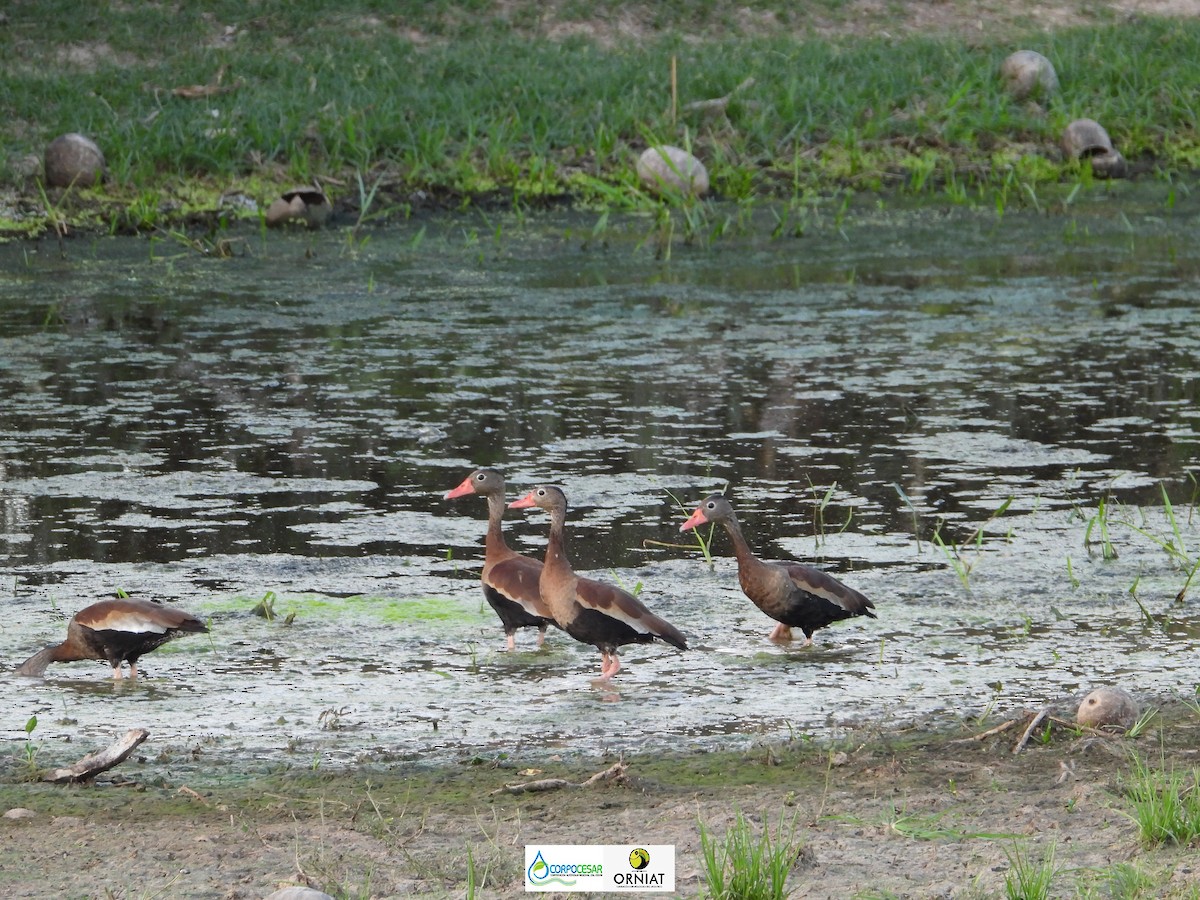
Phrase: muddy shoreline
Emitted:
{"points": [[909, 812]]}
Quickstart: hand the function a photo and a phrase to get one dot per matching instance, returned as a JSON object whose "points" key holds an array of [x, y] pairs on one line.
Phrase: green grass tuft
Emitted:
{"points": [[1166, 804], [746, 866]]}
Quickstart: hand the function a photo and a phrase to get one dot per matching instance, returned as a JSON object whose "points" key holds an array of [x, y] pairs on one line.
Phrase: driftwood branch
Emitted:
{"points": [[100, 761], [984, 735], [615, 772], [1029, 731]]}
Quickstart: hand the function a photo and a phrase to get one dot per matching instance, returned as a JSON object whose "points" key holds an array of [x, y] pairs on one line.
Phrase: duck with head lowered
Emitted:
{"points": [[116, 631]]}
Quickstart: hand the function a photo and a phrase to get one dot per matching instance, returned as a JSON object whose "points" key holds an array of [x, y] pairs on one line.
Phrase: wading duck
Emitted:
{"points": [[590, 611], [117, 631], [794, 595], [510, 580]]}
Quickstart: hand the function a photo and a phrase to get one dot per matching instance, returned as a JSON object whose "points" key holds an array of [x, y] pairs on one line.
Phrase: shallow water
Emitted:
{"points": [[206, 431]]}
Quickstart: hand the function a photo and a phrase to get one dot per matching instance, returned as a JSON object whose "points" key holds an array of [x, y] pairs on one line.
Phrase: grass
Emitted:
{"points": [[1099, 525], [28, 767], [703, 538], [1028, 878], [749, 866], [467, 103], [1172, 543], [820, 504], [1166, 804], [955, 551]]}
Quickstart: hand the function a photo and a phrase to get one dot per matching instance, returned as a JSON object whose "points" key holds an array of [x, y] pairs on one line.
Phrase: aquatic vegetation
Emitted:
{"points": [[703, 537], [954, 551], [820, 527], [1172, 543], [1098, 523]]}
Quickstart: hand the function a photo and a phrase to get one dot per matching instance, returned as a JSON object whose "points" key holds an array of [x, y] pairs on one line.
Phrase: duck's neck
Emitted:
{"points": [[36, 664], [556, 547], [746, 559], [494, 544]]}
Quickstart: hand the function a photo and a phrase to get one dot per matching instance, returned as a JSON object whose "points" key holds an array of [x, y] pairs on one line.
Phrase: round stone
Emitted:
{"points": [[1108, 707], [72, 159], [672, 170]]}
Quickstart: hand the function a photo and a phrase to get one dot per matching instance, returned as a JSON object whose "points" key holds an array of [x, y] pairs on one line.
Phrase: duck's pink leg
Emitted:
{"points": [[511, 643], [541, 635], [781, 634], [614, 666]]}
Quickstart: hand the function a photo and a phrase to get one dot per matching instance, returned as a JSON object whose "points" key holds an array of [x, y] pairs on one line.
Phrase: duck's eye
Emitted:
{"points": [[480, 477], [541, 492], [710, 505]]}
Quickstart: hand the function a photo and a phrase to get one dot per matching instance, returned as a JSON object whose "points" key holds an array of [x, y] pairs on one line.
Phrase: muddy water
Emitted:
{"points": [[209, 431]]}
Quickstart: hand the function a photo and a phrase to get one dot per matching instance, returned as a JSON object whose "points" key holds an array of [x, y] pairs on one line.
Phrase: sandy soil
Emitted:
{"points": [[876, 815]]}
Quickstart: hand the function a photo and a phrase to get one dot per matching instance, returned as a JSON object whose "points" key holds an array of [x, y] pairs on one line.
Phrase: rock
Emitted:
{"points": [[672, 170], [308, 205], [1108, 707], [28, 166], [1027, 73], [1087, 139], [72, 159], [298, 893], [20, 812]]}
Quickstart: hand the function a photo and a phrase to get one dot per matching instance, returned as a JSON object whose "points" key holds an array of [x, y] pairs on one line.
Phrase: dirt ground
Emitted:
{"points": [[903, 814]]}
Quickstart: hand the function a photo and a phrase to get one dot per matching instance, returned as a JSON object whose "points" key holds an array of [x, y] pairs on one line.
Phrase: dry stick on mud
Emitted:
{"points": [[100, 761], [615, 772], [1003, 726], [1029, 731]]}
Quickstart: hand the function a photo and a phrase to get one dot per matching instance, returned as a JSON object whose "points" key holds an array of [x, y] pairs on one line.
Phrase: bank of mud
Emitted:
{"points": [[910, 813]]}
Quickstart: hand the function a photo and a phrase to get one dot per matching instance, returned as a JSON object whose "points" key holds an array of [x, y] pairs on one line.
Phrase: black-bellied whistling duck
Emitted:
{"points": [[590, 611], [510, 580], [794, 595], [119, 630]]}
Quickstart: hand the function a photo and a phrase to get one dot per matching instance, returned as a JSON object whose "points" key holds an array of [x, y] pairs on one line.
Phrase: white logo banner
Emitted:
{"points": [[600, 867]]}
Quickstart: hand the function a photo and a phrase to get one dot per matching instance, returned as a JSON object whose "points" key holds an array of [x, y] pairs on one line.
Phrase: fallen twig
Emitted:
{"points": [[615, 772], [1004, 726], [1029, 731], [100, 761]]}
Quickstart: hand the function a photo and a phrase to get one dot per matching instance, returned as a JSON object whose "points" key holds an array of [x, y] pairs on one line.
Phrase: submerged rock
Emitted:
{"points": [[72, 159], [1027, 73], [1087, 139], [672, 170], [1108, 707], [306, 205]]}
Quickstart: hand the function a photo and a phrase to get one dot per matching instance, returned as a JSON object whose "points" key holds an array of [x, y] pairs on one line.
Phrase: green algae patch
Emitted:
{"points": [[392, 610]]}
